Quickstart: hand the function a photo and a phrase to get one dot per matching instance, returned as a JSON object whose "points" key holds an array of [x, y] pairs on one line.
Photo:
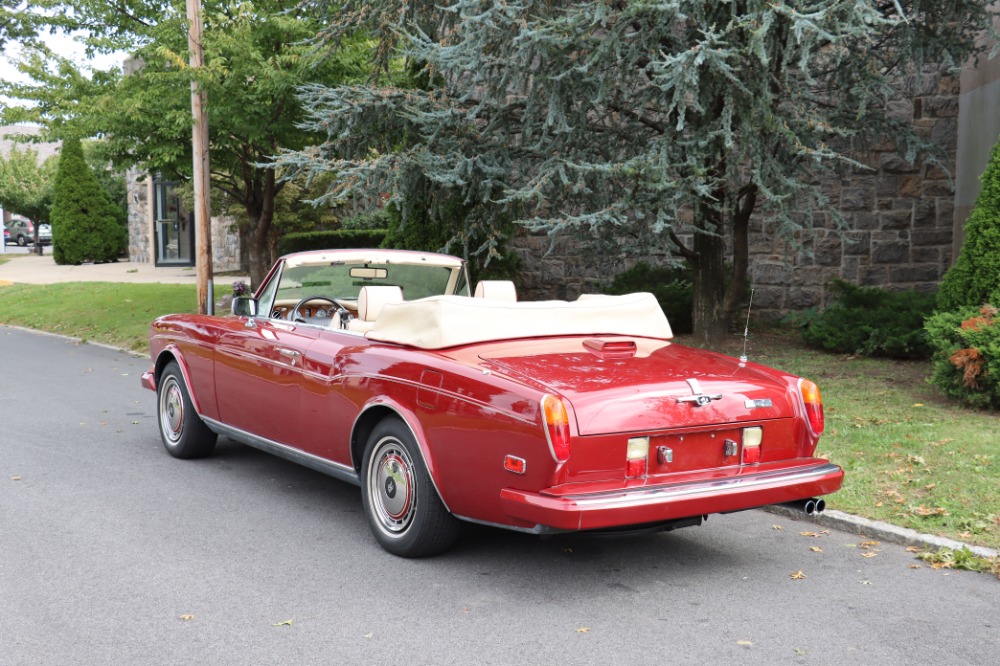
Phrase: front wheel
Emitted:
{"points": [[401, 505], [183, 432]]}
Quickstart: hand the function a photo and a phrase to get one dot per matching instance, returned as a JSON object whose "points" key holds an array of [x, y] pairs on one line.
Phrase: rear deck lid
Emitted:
{"points": [[662, 385]]}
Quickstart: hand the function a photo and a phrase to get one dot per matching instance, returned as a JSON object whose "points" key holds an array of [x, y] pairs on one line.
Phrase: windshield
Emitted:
{"points": [[343, 281]]}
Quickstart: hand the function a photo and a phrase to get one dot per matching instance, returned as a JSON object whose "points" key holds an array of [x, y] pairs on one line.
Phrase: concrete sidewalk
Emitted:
{"points": [[34, 269]]}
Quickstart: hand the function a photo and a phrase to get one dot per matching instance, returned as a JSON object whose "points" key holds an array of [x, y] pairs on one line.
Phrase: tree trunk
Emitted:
{"points": [[260, 218], [719, 291], [709, 288]]}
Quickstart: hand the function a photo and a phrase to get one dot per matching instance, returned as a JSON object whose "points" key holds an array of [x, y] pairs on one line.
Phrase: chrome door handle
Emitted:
{"points": [[290, 354]]}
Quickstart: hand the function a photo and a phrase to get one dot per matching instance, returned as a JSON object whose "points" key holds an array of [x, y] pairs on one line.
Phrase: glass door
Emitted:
{"points": [[174, 232]]}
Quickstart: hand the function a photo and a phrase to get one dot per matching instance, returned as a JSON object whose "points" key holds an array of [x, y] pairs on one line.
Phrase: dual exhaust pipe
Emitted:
{"points": [[810, 506]]}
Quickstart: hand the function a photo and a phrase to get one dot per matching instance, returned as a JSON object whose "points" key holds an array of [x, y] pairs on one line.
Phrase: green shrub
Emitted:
{"points": [[975, 276], [85, 225], [672, 287], [330, 240], [966, 359], [872, 322]]}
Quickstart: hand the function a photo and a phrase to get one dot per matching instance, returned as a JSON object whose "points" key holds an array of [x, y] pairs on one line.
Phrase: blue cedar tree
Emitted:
{"points": [[670, 117]]}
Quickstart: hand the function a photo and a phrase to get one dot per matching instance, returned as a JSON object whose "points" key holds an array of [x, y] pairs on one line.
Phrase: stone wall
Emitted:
{"points": [[899, 219]]}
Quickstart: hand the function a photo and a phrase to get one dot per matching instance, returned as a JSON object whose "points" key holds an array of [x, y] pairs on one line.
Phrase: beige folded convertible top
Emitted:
{"points": [[438, 322]]}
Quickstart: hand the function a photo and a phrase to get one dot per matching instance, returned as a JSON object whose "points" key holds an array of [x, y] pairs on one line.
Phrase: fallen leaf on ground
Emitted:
{"points": [[186, 617], [916, 566], [816, 549], [284, 623], [869, 554], [744, 643], [583, 630], [369, 635], [15, 478], [777, 527], [867, 544], [914, 549], [798, 575], [809, 534]]}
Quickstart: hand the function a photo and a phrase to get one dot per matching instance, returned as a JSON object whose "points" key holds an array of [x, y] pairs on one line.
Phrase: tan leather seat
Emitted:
{"points": [[371, 300], [497, 290]]}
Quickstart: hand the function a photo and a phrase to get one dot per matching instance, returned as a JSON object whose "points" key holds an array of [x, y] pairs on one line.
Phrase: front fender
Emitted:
{"points": [[173, 353]]}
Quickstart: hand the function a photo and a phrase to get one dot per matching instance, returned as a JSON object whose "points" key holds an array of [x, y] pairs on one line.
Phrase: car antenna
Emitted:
{"points": [[746, 329]]}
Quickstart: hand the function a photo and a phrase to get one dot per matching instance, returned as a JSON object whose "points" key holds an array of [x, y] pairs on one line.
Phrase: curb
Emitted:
{"points": [[876, 529]]}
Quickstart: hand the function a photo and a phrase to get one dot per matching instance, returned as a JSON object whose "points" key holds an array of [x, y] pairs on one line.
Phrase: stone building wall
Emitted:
{"points": [[899, 219], [225, 240]]}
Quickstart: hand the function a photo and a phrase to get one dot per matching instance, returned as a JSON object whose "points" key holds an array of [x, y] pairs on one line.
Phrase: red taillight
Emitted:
{"points": [[556, 427], [636, 457], [752, 439], [813, 403]]}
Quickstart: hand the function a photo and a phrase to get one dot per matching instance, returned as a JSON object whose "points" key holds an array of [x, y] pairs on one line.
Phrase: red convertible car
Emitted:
{"points": [[382, 368]]}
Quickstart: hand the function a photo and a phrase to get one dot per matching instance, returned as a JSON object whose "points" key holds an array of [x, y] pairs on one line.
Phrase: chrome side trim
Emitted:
{"points": [[322, 465], [640, 497]]}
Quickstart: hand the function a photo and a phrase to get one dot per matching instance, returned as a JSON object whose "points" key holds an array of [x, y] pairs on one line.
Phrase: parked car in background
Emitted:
{"points": [[21, 231], [45, 234], [383, 369]]}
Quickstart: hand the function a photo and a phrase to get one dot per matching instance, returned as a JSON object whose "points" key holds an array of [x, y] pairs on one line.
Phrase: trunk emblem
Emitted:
{"points": [[698, 398], [759, 402]]}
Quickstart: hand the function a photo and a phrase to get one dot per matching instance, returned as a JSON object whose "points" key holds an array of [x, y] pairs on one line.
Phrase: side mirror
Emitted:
{"points": [[244, 306]]}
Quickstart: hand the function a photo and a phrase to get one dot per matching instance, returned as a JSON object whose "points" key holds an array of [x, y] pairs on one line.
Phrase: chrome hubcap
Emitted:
{"points": [[390, 486], [171, 410]]}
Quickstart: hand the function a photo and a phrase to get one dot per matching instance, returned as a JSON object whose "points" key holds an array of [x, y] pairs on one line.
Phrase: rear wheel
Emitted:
{"points": [[22, 241], [401, 505], [183, 432]]}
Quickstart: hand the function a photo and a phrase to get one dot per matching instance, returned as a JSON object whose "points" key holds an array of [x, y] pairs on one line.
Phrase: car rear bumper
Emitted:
{"points": [[637, 506]]}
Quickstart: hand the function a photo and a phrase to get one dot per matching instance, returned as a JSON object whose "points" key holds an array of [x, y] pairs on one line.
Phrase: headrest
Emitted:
{"points": [[372, 299], [497, 290]]}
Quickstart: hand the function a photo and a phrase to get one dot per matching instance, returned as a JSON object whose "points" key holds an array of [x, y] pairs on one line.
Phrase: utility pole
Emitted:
{"points": [[199, 145]]}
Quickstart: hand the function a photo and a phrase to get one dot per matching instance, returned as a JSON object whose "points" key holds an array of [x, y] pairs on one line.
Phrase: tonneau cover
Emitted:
{"points": [[439, 322]]}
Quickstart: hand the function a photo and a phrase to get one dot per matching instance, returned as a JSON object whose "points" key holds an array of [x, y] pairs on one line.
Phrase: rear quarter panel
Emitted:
{"points": [[467, 421]]}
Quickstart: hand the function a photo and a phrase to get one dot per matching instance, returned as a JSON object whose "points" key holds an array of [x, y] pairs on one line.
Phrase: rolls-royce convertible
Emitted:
{"points": [[386, 370]]}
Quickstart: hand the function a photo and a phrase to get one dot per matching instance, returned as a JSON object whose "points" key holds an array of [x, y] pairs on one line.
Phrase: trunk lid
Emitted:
{"points": [[662, 386]]}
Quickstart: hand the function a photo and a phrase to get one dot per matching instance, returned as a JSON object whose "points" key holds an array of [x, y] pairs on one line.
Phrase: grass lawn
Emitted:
{"points": [[106, 312], [911, 457]]}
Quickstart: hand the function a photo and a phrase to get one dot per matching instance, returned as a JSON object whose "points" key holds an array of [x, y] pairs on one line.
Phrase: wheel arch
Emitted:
{"points": [[374, 413], [172, 353]]}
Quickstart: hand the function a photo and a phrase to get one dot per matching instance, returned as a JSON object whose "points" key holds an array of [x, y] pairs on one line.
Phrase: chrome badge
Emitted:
{"points": [[758, 403]]}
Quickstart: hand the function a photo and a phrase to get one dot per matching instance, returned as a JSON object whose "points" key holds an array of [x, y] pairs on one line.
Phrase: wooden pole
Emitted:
{"points": [[199, 145]]}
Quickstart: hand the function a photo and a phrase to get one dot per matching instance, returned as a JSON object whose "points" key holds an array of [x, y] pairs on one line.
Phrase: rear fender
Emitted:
{"points": [[374, 411]]}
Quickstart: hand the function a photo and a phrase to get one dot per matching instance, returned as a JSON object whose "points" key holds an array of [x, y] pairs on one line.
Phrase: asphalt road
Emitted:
{"points": [[111, 552]]}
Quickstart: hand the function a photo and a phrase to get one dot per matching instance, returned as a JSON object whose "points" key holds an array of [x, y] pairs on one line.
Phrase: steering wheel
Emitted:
{"points": [[295, 315]]}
